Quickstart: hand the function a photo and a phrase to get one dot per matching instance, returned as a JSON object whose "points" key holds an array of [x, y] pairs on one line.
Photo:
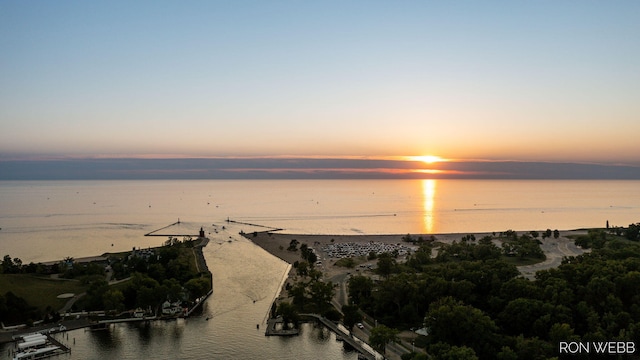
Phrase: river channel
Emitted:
{"points": [[246, 281]]}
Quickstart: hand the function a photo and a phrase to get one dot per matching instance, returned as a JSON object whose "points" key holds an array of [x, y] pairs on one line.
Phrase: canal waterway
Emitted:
{"points": [[246, 281]]}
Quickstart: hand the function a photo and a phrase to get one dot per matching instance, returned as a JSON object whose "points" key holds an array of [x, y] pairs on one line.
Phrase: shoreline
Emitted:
{"points": [[276, 244], [7, 336], [273, 241]]}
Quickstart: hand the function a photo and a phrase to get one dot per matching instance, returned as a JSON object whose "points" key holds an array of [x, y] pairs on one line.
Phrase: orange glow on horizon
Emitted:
{"points": [[427, 159], [432, 171]]}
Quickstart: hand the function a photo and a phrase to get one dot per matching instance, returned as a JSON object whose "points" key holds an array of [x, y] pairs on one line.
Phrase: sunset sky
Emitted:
{"points": [[543, 81]]}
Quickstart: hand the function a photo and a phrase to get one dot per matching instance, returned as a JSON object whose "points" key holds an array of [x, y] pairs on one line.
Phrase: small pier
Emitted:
{"points": [[199, 303], [275, 328], [155, 232], [133, 319], [57, 343], [347, 338], [269, 228], [38, 346]]}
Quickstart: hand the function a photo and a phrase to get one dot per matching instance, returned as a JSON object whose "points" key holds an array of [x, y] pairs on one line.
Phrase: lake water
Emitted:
{"points": [[49, 220]]}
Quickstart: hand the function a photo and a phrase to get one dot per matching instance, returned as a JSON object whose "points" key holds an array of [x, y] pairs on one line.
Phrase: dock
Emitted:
{"points": [[155, 232], [366, 354], [57, 343], [272, 328], [38, 346], [133, 319], [199, 303]]}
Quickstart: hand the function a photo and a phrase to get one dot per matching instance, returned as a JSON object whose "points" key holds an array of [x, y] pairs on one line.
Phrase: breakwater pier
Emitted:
{"points": [[275, 328], [346, 337]]}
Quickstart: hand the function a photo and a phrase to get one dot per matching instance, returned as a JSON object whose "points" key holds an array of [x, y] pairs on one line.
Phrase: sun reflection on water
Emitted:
{"points": [[428, 194]]}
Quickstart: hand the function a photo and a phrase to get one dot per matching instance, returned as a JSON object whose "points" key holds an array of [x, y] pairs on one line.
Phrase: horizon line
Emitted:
{"points": [[406, 158], [304, 168]]}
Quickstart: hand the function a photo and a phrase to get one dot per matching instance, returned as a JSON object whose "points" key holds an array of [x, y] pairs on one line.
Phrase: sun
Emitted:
{"points": [[427, 159]]}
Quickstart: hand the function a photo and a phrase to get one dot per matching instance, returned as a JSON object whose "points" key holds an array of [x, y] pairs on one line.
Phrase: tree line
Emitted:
{"points": [[167, 275], [474, 305]]}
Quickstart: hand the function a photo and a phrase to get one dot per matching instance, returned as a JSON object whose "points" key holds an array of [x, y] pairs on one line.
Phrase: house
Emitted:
{"points": [[171, 308]]}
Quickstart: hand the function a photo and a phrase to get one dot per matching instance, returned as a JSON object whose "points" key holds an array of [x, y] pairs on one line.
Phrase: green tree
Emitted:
{"points": [[146, 298], [16, 310], [113, 300], [321, 294], [381, 336], [472, 328], [506, 353], [95, 293], [533, 348], [421, 257], [157, 272], [446, 352], [562, 332], [360, 289], [352, 316], [198, 287], [312, 258], [173, 288], [303, 249], [8, 266], [293, 245], [289, 314], [299, 293], [523, 247], [519, 288], [386, 264], [303, 268], [633, 232], [519, 314]]}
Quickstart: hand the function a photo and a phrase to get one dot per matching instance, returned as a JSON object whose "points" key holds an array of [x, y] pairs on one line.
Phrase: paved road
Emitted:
{"points": [[555, 250], [341, 297]]}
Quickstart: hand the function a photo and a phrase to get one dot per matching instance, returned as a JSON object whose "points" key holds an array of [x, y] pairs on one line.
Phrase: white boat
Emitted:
{"points": [[35, 353]]}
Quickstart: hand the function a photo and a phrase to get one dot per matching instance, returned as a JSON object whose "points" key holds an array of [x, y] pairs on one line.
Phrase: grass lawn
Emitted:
{"points": [[39, 291], [518, 261]]}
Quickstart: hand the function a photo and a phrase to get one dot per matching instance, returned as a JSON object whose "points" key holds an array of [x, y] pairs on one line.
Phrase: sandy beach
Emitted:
{"points": [[276, 244]]}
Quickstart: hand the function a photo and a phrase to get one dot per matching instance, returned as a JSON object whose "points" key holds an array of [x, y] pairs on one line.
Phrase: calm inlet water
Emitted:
{"points": [[49, 220]]}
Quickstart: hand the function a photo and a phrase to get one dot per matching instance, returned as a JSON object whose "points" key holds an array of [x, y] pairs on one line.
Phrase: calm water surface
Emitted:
{"points": [[50, 220]]}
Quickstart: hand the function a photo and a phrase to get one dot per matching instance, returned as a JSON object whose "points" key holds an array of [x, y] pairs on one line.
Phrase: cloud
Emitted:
{"points": [[301, 168]]}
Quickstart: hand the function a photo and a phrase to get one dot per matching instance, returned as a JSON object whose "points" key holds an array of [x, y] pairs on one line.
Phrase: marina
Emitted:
{"points": [[37, 346]]}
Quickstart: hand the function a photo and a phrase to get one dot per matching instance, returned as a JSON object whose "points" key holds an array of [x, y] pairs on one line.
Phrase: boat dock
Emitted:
{"points": [[57, 343], [274, 328], [199, 303], [364, 353], [38, 346]]}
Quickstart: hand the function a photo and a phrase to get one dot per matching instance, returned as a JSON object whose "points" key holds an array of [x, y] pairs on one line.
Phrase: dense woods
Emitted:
{"points": [[151, 277], [473, 304]]}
